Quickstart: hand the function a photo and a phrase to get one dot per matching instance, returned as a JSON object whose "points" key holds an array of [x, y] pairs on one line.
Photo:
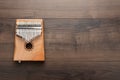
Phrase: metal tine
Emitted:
{"points": [[27, 32], [30, 25]]}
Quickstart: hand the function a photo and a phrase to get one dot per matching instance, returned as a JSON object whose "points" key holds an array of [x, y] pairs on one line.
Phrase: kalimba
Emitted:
{"points": [[29, 40]]}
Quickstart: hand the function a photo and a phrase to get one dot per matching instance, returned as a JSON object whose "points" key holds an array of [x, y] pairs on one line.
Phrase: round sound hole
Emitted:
{"points": [[29, 46]]}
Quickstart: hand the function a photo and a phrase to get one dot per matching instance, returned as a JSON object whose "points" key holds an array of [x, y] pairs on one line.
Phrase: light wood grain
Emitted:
{"points": [[36, 53]]}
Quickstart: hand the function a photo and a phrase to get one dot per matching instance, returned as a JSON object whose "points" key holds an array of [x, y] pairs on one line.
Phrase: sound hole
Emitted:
{"points": [[29, 46]]}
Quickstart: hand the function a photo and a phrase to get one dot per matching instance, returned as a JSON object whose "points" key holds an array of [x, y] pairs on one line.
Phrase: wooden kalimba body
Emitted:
{"points": [[29, 40]]}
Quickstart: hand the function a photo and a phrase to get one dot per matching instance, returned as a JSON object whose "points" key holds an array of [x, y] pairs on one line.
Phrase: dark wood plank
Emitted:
{"points": [[72, 39], [13, 75], [59, 8], [6, 51], [60, 70], [88, 39], [7, 30]]}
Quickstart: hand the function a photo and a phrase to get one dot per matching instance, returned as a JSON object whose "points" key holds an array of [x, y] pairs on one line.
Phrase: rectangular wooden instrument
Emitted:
{"points": [[29, 40]]}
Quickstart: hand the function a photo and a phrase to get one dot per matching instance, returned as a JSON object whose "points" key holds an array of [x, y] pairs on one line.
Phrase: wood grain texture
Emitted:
{"points": [[36, 52], [82, 39], [57, 70], [76, 49], [59, 8], [88, 39]]}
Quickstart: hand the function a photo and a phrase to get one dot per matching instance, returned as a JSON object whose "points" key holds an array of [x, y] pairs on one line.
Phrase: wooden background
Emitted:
{"points": [[82, 39]]}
